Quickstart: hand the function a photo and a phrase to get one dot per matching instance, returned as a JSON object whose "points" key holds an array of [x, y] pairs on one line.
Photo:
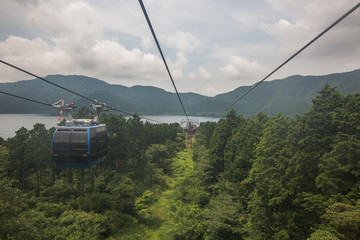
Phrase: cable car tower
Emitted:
{"points": [[190, 129]]}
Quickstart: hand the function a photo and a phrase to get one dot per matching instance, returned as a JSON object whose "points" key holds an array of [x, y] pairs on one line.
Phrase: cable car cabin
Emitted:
{"points": [[79, 146]]}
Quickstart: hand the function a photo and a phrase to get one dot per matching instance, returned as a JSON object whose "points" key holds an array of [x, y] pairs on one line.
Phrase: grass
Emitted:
{"points": [[182, 166]]}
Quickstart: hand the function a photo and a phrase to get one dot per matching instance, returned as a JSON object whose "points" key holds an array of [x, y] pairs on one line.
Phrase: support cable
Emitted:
{"points": [[294, 55], [43, 79], [162, 56], [27, 99], [51, 105]]}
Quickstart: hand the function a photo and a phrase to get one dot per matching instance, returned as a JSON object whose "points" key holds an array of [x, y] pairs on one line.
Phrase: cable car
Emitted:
{"points": [[82, 142], [79, 146]]}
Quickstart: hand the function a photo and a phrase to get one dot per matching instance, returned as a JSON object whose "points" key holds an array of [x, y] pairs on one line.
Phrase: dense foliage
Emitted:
{"points": [[41, 201], [257, 178], [279, 178]]}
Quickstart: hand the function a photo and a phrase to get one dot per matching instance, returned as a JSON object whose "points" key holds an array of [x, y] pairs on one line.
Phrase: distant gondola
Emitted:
{"points": [[82, 142]]}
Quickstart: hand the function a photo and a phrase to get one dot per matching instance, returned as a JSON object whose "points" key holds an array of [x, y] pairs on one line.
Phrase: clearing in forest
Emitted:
{"points": [[150, 228]]}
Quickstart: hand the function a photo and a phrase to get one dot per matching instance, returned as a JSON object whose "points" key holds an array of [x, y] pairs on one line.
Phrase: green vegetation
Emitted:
{"points": [[245, 178], [41, 201], [281, 178]]}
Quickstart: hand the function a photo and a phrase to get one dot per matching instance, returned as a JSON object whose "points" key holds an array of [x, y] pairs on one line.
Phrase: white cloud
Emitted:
{"points": [[36, 54], [204, 73], [177, 69], [289, 33], [308, 18], [70, 19], [242, 69], [77, 45], [184, 42], [146, 43]]}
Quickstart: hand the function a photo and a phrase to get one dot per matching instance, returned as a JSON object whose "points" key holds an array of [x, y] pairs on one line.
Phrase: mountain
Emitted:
{"points": [[290, 96], [141, 99]]}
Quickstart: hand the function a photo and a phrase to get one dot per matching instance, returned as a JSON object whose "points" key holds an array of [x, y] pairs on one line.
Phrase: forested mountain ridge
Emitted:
{"points": [[290, 96], [141, 99]]}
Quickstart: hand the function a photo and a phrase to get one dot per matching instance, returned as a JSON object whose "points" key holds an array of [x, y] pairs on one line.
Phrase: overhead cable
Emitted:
{"points": [[66, 89], [294, 55], [27, 99], [43, 79], [162, 56]]}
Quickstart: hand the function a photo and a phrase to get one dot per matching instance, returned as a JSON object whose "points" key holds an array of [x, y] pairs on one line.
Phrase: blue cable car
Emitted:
{"points": [[82, 142], [79, 146]]}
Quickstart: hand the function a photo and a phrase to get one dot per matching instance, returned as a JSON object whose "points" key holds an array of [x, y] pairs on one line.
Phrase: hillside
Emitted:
{"points": [[290, 96]]}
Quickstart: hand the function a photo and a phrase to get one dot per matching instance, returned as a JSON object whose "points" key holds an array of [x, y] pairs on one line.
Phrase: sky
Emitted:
{"points": [[211, 46]]}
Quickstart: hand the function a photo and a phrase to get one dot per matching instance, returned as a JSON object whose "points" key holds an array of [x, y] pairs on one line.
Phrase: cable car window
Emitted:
{"points": [[102, 138], [61, 141], [93, 144], [79, 142]]}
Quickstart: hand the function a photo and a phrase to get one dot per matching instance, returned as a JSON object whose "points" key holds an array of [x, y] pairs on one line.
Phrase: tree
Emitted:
{"points": [[118, 141], [158, 154], [270, 211], [340, 222], [38, 151], [12, 204], [4, 161], [17, 167], [222, 134], [339, 170], [241, 148], [224, 217]]}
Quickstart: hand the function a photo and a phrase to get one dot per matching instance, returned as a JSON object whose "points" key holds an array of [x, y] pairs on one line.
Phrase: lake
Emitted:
{"points": [[10, 123]]}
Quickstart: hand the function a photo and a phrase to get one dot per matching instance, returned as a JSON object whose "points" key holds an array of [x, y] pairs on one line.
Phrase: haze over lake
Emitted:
{"points": [[10, 123]]}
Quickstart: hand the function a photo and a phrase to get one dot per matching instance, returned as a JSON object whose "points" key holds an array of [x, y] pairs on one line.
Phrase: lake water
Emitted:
{"points": [[10, 123]]}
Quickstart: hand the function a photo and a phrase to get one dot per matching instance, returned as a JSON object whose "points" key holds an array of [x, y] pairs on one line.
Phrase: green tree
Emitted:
{"points": [[38, 152], [12, 204], [17, 166], [158, 154], [241, 148], [341, 222], [224, 217], [118, 141], [270, 212], [222, 134], [340, 168]]}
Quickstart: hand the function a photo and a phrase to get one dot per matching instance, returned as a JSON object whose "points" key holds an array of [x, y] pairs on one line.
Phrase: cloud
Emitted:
{"points": [[36, 55], [207, 45], [69, 19], [242, 69], [177, 69], [74, 43], [308, 18], [146, 43], [184, 42], [204, 73]]}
